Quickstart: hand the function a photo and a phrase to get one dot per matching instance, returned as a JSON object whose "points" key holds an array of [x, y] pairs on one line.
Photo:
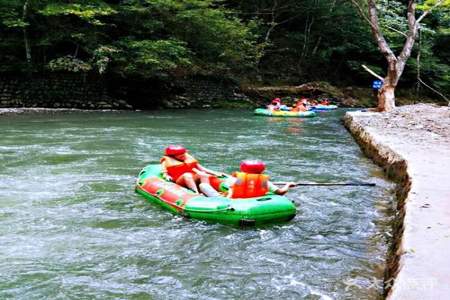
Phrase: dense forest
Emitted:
{"points": [[257, 41]]}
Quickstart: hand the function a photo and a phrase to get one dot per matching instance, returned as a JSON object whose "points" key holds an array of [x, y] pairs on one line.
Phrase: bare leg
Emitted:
{"points": [[188, 181], [204, 178], [208, 190], [205, 185]]}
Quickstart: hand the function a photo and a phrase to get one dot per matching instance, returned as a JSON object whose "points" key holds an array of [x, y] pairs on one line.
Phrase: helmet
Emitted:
{"points": [[174, 150], [252, 166], [277, 100]]}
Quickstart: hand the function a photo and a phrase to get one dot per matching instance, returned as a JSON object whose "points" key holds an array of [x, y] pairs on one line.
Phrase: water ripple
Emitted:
{"points": [[72, 227]]}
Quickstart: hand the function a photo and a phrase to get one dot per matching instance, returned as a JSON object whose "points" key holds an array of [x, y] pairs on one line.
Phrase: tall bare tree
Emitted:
{"points": [[396, 63]]}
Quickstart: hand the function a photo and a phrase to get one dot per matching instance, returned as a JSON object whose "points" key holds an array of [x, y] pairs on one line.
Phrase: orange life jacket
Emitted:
{"points": [[250, 185], [176, 168]]}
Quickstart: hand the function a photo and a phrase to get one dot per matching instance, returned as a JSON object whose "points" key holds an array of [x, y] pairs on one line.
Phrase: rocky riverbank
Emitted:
{"points": [[412, 144]]}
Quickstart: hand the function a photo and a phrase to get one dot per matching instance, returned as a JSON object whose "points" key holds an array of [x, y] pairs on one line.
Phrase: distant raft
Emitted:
{"points": [[282, 113], [269, 208], [321, 107]]}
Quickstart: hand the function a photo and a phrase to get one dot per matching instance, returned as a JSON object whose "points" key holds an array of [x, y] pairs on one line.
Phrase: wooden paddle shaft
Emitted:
{"points": [[328, 183]]}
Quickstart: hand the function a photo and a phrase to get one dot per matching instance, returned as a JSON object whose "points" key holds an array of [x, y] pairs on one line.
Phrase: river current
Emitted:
{"points": [[71, 226]]}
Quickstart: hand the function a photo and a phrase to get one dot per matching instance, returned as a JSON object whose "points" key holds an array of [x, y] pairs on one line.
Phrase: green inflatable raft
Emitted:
{"points": [[241, 212], [282, 113]]}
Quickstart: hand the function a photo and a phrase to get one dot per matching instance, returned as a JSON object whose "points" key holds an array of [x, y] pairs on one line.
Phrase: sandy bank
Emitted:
{"points": [[413, 145]]}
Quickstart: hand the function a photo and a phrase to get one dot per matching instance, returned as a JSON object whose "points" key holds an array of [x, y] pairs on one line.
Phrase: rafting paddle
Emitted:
{"points": [[327, 183]]}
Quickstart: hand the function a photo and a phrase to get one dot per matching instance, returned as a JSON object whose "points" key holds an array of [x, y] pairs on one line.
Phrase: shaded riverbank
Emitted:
{"points": [[412, 144]]}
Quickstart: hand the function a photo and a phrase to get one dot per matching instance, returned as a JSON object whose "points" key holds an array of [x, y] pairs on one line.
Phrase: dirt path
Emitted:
{"points": [[413, 144]]}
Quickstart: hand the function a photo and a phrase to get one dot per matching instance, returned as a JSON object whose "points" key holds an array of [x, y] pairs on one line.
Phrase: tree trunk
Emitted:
{"points": [[396, 64], [25, 38], [386, 98]]}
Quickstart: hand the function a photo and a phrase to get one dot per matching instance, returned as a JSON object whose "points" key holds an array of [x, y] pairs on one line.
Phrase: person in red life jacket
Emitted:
{"points": [[275, 104], [250, 181], [179, 166], [324, 102]]}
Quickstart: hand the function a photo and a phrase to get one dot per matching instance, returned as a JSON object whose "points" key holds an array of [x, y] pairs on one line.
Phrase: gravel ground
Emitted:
{"points": [[417, 123]]}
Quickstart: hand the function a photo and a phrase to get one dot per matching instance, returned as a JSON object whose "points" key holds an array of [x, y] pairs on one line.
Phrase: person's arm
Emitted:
{"points": [[202, 168], [280, 191], [164, 172]]}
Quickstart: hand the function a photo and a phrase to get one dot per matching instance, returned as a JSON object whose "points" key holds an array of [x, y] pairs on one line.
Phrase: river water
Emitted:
{"points": [[71, 225]]}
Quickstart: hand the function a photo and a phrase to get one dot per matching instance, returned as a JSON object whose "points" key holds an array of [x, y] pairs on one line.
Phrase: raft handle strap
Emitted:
{"points": [[209, 211]]}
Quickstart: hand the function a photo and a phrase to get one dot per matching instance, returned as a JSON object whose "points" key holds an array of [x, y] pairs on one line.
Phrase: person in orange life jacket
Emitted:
{"points": [[251, 182], [248, 183], [178, 166]]}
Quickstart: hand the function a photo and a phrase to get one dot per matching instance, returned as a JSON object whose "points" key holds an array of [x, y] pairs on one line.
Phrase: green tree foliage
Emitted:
{"points": [[11, 40], [430, 56], [327, 40], [88, 12], [150, 57], [131, 38], [186, 36], [309, 39], [287, 41]]}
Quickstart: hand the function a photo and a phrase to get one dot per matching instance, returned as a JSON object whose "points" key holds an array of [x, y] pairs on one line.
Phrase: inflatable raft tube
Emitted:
{"points": [[241, 212], [323, 107], [281, 113]]}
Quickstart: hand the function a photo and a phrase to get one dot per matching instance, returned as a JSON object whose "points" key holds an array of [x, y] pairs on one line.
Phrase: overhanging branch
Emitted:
{"points": [[372, 72], [396, 30], [434, 90], [425, 13], [361, 11]]}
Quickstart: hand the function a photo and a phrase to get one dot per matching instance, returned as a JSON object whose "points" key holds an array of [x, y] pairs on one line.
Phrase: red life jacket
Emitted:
{"points": [[176, 168], [250, 185]]}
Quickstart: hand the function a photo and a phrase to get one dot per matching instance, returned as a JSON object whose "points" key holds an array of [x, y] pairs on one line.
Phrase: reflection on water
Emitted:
{"points": [[72, 227]]}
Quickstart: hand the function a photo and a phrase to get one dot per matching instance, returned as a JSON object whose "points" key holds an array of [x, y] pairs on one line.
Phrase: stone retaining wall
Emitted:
{"points": [[206, 92], [395, 167], [94, 92], [411, 145], [57, 91]]}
